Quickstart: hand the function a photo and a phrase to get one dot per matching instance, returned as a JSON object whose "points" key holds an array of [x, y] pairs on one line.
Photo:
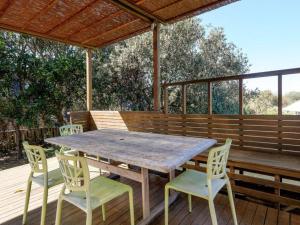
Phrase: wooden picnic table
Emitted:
{"points": [[158, 152]]}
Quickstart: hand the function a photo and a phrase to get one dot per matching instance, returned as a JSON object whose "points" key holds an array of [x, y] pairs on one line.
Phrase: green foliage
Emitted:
{"points": [[188, 51], [262, 102], [39, 80]]}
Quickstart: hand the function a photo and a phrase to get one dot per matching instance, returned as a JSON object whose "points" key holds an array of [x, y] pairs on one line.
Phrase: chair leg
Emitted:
{"points": [[89, 217], [28, 190], [131, 208], [103, 212], [190, 202], [231, 201], [166, 206], [212, 211], [100, 171], [44, 207], [58, 211]]}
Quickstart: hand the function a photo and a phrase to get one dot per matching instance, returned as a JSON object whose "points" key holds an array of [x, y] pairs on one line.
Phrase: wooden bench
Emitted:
{"points": [[264, 161], [271, 177]]}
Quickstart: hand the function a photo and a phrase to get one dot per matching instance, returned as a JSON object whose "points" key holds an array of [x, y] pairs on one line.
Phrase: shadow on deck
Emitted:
{"points": [[12, 201]]}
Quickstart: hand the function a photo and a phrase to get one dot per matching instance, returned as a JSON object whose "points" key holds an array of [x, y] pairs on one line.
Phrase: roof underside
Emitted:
{"points": [[95, 23]]}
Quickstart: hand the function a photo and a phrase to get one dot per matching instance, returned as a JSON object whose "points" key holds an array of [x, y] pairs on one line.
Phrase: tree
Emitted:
{"points": [[262, 102], [188, 51], [39, 79]]}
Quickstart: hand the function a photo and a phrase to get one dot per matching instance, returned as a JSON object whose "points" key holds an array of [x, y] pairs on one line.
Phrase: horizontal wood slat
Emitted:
{"points": [[254, 138], [249, 132]]}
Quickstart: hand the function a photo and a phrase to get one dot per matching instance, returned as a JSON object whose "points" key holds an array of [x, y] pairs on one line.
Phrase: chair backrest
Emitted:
{"points": [[75, 172], [70, 129], [36, 157], [217, 160]]}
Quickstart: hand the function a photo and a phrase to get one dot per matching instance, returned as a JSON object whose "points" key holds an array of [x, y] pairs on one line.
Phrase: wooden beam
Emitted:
{"points": [[89, 80], [70, 17], [115, 169], [123, 37], [137, 11], [80, 30], [44, 36], [113, 30], [156, 67], [237, 77], [207, 7]]}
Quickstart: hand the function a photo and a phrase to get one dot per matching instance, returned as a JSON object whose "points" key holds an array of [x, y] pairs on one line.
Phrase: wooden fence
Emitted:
{"points": [[251, 133], [9, 141]]}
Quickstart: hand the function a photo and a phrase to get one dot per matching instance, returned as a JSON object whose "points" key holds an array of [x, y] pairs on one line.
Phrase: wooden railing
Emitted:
{"points": [[251, 133], [8, 139], [254, 137], [239, 78]]}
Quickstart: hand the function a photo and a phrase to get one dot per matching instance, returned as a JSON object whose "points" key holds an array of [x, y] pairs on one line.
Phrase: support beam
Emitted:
{"points": [[156, 67], [89, 80]]}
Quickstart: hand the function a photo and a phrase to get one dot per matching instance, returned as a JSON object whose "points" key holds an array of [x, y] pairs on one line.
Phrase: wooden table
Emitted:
{"points": [[157, 152]]}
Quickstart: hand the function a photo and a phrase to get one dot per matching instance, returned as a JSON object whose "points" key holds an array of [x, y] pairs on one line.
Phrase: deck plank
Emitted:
{"points": [[12, 194]]}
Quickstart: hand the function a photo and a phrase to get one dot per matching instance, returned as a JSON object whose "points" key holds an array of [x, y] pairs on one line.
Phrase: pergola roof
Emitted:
{"points": [[95, 23]]}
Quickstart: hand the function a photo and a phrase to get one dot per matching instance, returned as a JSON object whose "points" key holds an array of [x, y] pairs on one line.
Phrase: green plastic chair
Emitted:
{"points": [[205, 185], [84, 193], [38, 163], [70, 129]]}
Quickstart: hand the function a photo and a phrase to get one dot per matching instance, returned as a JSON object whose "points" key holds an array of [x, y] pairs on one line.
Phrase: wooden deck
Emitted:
{"points": [[12, 194]]}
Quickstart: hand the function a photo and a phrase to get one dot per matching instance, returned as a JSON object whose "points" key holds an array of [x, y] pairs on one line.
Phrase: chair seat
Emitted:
{"points": [[102, 190], [195, 183], [54, 178]]}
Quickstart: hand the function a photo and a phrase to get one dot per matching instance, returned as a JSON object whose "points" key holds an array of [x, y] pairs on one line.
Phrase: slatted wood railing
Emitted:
{"points": [[251, 133], [254, 138]]}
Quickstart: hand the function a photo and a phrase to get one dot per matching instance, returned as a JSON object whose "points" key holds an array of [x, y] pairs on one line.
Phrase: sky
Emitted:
{"points": [[268, 32]]}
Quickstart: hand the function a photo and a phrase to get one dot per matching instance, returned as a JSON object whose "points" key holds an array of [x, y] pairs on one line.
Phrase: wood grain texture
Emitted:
{"points": [[152, 151], [12, 197], [83, 23]]}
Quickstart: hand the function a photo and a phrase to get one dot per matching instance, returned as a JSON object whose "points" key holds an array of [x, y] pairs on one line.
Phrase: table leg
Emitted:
{"points": [[145, 192]]}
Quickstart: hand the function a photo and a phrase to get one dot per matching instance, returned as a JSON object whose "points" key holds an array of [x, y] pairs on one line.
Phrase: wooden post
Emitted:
{"points": [[209, 98], [241, 112], [209, 110], [156, 67], [241, 96], [166, 100], [280, 111], [280, 95], [89, 80], [145, 192], [183, 98]]}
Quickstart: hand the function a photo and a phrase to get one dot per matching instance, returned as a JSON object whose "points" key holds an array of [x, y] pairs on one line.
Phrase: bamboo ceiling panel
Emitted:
{"points": [[95, 23]]}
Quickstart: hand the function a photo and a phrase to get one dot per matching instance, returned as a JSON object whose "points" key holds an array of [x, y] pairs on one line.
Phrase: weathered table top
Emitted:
{"points": [[148, 150]]}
